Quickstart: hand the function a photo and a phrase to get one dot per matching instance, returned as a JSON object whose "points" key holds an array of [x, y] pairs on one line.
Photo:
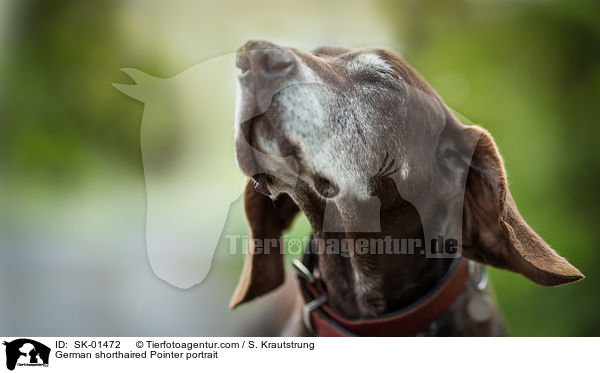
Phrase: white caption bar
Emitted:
{"points": [[41, 355]]}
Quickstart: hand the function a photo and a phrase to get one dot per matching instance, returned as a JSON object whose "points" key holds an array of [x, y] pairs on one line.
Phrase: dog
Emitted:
{"points": [[366, 149]]}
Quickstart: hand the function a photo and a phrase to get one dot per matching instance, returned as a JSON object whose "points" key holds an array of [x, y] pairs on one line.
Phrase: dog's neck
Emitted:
{"points": [[375, 282], [368, 285]]}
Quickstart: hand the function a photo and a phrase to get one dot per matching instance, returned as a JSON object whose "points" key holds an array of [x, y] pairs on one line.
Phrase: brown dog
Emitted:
{"points": [[384, 172]]}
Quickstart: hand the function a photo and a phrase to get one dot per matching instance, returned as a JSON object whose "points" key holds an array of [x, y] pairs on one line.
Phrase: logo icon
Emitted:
{"points": [[26, 352]]}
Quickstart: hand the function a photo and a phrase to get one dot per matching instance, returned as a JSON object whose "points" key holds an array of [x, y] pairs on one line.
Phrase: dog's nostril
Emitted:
{"points": [[264, 59], [276, 61], [242, 61], [325, 187], [267, 62]]}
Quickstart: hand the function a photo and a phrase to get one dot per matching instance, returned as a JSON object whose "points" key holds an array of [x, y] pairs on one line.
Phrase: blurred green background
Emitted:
{"points": [[72, 197]]}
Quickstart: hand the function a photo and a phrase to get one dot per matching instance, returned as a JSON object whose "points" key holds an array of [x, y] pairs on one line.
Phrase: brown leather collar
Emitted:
{"points": [[408, 321]]}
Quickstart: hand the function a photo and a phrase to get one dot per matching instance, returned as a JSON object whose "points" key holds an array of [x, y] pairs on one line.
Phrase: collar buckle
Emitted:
{"points": [[308, 308]]}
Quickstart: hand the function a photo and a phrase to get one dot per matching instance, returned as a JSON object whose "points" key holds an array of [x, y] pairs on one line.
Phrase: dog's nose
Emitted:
{"points": [[265, 59]]}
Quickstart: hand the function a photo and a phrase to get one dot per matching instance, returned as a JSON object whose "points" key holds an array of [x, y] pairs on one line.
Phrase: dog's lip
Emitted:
{"points": [[286, 147], [249, 131], [261, 183], [249, 151], [245, 148], [289, 152]]}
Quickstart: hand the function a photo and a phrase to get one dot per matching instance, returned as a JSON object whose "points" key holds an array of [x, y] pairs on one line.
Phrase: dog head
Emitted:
{"points": [[359, 142]]}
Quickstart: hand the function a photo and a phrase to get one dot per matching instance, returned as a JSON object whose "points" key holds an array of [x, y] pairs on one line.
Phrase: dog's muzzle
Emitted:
{"points": [[265, 68]]}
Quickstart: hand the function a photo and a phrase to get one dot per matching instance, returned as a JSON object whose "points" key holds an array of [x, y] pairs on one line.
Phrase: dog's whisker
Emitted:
{"points": [[390, 166], [383, 163], [392, 172]]}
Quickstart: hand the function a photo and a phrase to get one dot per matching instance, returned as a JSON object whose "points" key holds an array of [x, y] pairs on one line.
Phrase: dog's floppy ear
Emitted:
{"points": [[263, 266], [493, 230]]}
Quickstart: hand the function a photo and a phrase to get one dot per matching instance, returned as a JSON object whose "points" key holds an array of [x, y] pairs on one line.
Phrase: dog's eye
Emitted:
{"points": [[374, 79], [325, 187]]}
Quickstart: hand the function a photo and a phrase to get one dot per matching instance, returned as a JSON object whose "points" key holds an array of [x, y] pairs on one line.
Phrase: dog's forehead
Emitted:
{"points": [[367, 60], [370, 61], [361, 60]]}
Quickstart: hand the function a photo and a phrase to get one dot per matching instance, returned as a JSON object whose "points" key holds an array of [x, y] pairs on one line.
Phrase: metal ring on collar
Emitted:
{"points": [[478, 275], [303, 271]]}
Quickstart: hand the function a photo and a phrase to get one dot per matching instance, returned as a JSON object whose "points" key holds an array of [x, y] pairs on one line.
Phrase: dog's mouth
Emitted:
{"points": [[261, 183], [266, 148], [267, 155], [264, 153]]}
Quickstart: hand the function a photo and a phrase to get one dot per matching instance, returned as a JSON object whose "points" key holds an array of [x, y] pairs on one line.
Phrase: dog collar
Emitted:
{"points": [[408, 321]]}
